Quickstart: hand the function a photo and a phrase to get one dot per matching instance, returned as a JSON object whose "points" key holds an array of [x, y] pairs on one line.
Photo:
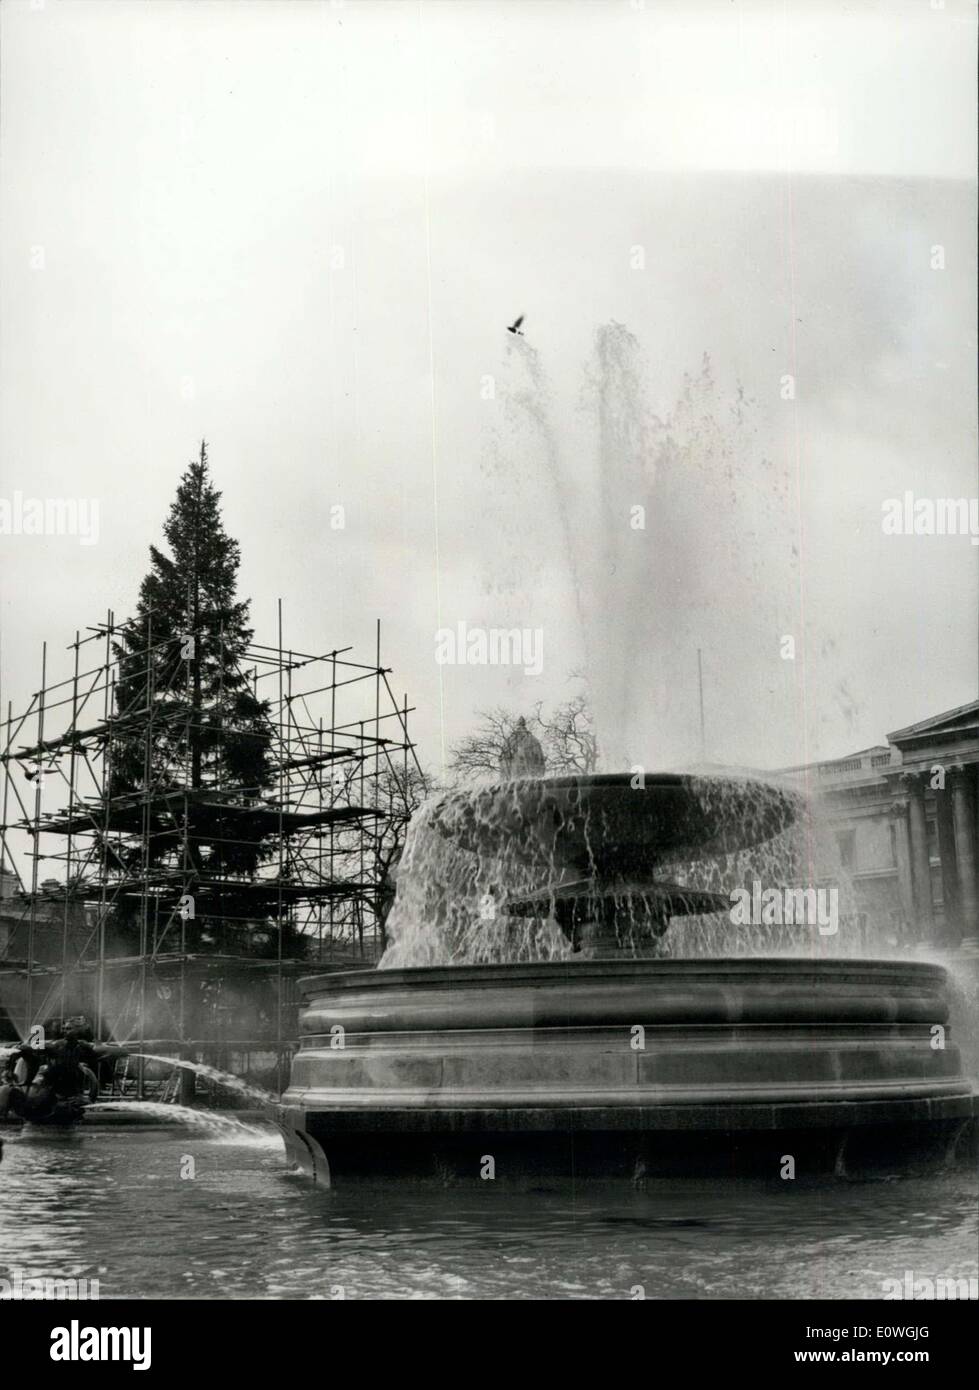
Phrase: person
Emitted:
{"points": [[63, 1070]]}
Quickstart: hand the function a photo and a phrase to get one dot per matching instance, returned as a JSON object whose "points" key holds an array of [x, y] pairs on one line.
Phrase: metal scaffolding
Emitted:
{"points": [[134, 925]]}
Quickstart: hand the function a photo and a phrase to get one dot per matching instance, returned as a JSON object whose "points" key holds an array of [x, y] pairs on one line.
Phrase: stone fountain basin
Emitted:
{"points": [[407, 1069], [604, 823]]}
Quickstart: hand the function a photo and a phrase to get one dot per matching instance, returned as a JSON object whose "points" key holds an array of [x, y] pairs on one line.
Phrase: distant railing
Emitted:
{"points": [[854, 764], [831, 769]]}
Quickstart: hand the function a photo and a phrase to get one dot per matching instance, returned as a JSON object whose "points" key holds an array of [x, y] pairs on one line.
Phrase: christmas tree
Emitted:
{"points": [[191, 746]]}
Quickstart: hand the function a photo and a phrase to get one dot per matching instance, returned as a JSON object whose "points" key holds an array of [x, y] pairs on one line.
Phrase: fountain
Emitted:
{"points": [[579, 1048], [567, 992]]}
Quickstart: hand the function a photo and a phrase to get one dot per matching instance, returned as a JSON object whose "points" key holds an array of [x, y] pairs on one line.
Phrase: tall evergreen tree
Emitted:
{"points": [[190, 732]]}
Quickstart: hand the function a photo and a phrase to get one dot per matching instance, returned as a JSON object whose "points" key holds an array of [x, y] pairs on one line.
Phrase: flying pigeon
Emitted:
{"points": [[515, 326]]}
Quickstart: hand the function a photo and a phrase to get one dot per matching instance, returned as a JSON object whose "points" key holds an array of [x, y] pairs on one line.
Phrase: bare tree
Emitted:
{"points": [[397, 793], [367, 851], [568, 737]]}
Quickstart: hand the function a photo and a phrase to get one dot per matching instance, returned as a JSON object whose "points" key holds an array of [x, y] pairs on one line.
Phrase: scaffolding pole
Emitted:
{"points": [[146, 858]]}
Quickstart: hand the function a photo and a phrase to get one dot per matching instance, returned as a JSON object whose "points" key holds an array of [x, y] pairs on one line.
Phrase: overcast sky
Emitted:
{"points": [[299, 229]]}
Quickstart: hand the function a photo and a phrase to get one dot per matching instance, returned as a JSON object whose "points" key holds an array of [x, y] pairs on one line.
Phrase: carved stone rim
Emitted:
{"points": [[577, 972]]}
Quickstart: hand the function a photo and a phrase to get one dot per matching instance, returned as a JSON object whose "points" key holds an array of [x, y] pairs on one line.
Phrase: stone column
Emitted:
{"points": [[920, 866], [902, 847], [950, 872], [963, 819]]}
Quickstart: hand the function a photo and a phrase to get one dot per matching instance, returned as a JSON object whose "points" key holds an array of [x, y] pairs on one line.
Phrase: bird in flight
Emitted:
{"points": [[514, 327]]}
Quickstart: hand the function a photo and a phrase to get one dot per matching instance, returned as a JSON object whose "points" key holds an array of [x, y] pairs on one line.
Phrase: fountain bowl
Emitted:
{"points": [[625, 1069], [607, 823]]}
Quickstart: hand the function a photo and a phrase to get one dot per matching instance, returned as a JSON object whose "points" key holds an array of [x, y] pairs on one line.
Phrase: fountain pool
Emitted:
{"points": [[610, 1060]]}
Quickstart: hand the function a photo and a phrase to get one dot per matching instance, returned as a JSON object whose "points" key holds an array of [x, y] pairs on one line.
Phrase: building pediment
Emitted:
{"points": [[952, 726]]}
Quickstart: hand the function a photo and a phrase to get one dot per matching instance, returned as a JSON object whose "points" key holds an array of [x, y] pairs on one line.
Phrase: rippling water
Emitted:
{"points": [[110, 1204]]}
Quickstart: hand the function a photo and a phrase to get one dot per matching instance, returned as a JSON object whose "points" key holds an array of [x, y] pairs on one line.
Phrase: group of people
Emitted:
{"points": [[58, 1073]]}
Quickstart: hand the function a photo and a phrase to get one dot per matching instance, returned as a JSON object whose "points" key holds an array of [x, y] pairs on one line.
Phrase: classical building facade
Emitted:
{"points": [[905, 815]]}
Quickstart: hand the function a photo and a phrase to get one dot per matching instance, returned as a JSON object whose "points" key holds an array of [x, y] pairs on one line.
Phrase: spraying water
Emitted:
{"points": [[487, 875], [215, 1123], [222, 1078], [652, 521], [212, 1122], [675, 531], [529, 405]]}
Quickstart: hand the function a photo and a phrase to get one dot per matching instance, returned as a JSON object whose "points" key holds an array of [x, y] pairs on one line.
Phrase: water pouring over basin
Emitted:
{"points": [[613, 1062], [615, 822], [589, 850]]}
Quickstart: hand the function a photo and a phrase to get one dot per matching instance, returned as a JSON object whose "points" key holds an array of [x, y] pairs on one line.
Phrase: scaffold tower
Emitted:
{"points": [[178, 907]]}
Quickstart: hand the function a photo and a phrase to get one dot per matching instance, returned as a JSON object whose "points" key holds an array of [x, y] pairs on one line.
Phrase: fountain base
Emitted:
{"points": [[626, 1069]]}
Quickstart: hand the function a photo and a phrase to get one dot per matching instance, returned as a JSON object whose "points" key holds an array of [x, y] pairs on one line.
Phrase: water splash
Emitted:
{"points": [[804, 854], [473, 862], [223, 1078], [656, 517], [613, 550], [218, 1124], [454, 880], [529, 401]]}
